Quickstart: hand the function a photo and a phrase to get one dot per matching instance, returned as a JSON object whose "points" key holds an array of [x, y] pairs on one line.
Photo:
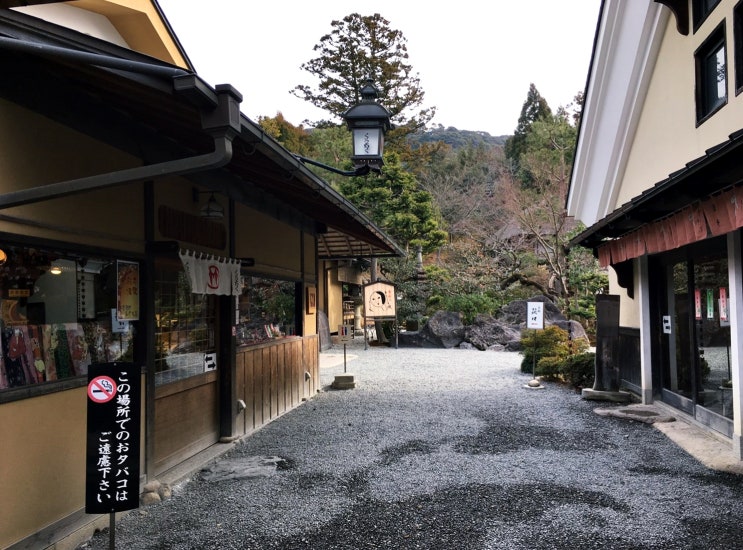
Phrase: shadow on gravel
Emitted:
{"points": [[499, 437], [414, 447], [711, 477], [461, 518]]}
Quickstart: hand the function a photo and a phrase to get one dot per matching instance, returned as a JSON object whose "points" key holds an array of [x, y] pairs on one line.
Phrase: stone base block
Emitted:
{"points": [[345, 381], [602, 395]]}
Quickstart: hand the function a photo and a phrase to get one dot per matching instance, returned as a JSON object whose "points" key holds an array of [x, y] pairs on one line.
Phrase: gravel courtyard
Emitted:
{"points": [[444, 449]]}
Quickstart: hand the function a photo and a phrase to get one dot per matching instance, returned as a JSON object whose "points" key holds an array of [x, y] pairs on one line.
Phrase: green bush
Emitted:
{"points": [[557, 357], [550, 342], [549, 367], [579, 370]]}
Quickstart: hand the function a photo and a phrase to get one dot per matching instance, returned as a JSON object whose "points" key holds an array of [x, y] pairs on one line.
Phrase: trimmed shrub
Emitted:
{"points": [[557, 357], [579, 370], [551, 342], [549, 367]]}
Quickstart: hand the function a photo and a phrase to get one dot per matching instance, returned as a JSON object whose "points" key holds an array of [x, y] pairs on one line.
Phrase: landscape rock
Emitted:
{"points": [[515, 312], [150, 498], [501, 332], [573, 328], [443, 330], [410, 339], [487, 331]]}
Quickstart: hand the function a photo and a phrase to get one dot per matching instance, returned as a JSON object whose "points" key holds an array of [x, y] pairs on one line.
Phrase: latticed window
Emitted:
{"points": [[267, 309], [185, 326]]}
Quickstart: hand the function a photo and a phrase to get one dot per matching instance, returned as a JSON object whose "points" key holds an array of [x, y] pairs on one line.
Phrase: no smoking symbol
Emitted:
{"points": [[101, 389]]}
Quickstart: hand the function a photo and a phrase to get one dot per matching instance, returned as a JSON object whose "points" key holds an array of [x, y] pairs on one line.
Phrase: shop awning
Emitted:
{"points": [[691, 204]]}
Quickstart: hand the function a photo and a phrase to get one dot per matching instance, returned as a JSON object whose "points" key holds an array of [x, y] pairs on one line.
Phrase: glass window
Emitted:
{"points": [[738, 29], [267, 310], [701, 9], [695, 354], [185, 326], [58, 314], [711, 71]]}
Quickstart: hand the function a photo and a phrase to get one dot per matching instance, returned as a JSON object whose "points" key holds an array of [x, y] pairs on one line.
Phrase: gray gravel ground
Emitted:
{"points": [[446, 449]]}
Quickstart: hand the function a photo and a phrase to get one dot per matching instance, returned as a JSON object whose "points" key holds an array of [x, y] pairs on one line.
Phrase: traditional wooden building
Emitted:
{"points": [[144, 220], [657, 180]]}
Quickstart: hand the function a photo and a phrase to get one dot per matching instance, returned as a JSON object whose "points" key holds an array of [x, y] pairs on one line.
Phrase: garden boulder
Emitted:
{"points": [[489, 333]]}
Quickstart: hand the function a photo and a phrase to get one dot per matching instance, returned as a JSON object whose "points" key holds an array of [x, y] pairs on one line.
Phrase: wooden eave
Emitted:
{"points": [[718, 169], [143, 114]]}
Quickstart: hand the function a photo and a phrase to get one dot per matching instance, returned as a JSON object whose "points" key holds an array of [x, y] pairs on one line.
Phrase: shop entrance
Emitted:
{"points": [[695, 334]]}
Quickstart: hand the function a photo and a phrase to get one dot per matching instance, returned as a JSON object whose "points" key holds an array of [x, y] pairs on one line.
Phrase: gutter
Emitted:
{"points": [[221, 156], [220, 117], [100, 60]]}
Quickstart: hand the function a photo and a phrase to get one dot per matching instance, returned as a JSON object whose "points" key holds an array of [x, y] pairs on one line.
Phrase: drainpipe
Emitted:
{"points": [[220, 117]]}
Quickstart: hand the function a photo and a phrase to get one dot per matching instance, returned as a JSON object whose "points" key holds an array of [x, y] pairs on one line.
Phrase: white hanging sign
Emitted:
{"points": [[211, 274], [535, 315]]}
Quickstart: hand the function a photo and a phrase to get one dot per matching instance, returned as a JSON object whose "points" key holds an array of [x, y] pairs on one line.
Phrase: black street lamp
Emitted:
{"points": [[368, 122]]}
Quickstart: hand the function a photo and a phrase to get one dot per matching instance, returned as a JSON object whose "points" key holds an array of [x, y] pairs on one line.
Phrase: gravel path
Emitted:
{"points": [[445, 449]]}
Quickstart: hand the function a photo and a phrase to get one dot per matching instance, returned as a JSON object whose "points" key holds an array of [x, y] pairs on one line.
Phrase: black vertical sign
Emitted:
{"points": [[112, 462]]}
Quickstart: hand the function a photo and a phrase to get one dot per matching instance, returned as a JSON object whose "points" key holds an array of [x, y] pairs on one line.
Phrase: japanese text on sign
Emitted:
{"points": [[535, 315], [380, 300], [113, 438], [127, 305]]}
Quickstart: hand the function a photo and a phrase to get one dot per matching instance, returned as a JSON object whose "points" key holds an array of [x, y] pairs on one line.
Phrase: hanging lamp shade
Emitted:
{"points": [[368, 122]]}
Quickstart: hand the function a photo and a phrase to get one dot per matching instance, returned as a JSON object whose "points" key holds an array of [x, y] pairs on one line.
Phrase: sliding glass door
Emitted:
{"points": [[695, 333]]}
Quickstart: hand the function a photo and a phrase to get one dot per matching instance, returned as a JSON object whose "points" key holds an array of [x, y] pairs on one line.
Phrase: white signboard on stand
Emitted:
{"points": [[535, 315]]}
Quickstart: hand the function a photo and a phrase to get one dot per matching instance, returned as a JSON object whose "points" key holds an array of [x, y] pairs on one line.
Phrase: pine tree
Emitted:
{"points": [[361, 47], [535, 108], [398, 204]]}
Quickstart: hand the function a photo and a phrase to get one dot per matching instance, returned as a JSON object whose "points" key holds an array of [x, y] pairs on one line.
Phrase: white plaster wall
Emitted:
{"points": [[629, 308], [667, 136]]}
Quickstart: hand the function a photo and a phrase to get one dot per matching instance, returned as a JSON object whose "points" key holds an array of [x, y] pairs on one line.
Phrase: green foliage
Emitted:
{"points": [[557, 357], [534, 108], [274, 299], [449, 191], [360, 47], [294, 138], [549, 367], [469, 305], [536, 201], [396, 202], [551, 342], [411, 293], [455, 138], [579, 370], [585, 280]]}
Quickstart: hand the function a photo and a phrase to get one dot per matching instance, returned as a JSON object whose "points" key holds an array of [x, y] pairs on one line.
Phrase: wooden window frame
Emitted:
{"points": [[705, 106]]}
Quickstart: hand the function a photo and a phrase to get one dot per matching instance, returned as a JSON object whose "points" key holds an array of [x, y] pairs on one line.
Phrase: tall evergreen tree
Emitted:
{"points": [[396, 201], [535, 108], [361, 47]]}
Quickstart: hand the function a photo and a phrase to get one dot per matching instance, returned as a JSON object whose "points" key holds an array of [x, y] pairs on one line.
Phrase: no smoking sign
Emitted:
{"points": [[101, 389]]}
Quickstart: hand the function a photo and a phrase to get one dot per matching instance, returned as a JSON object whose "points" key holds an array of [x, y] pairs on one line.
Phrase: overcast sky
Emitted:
{"points": [[475, 58]]}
